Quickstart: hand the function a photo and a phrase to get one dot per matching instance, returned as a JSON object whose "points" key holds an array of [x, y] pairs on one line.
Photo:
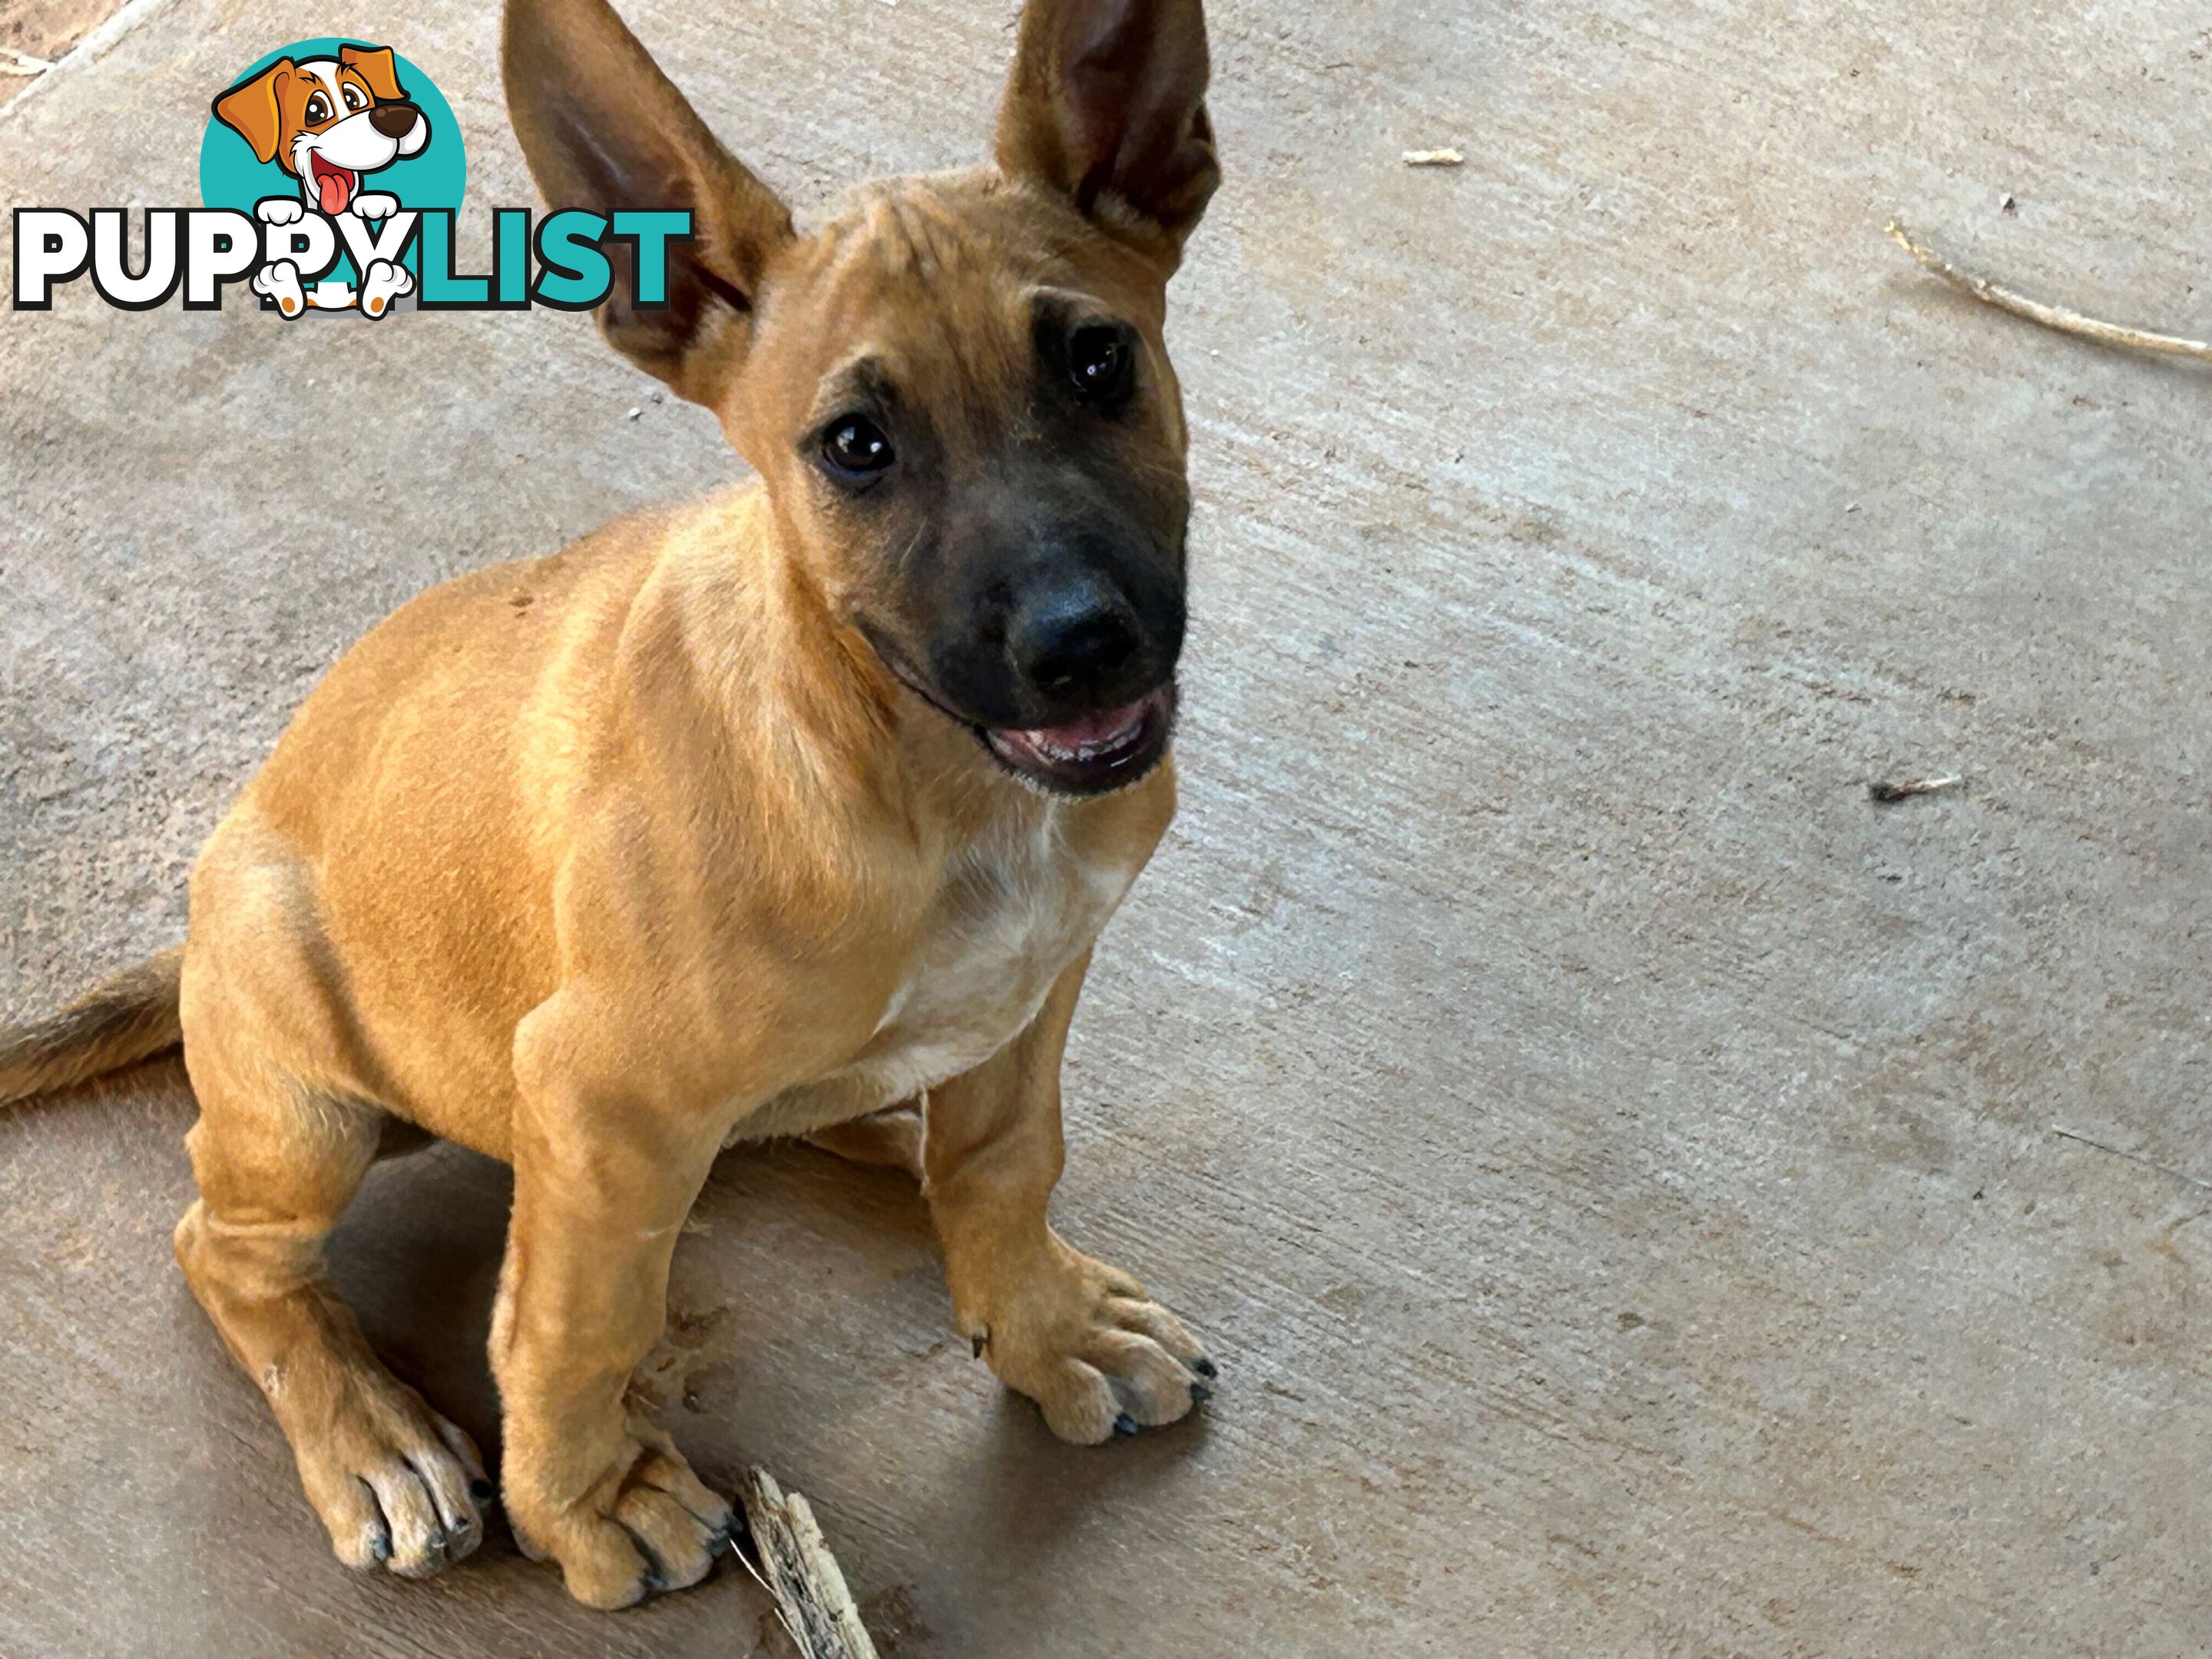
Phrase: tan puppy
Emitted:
{"points": [[757, 818]]}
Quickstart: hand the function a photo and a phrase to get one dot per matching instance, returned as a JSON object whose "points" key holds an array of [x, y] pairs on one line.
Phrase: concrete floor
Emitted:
{"points": [[1619, 1165]]}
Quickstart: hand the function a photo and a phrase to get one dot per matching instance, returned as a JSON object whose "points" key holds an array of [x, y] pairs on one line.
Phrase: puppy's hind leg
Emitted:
{"points": [[891, 1139], [398, 1485]]}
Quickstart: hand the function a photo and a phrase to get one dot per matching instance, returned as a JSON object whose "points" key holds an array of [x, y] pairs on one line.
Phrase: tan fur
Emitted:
{"points": [[598, 863], [132, 1017]]}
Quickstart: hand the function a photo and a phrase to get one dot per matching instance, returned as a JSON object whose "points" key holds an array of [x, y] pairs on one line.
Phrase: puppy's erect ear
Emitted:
{"points": [[375, 66], [603, 129], [1106, 104], [249, 110]]}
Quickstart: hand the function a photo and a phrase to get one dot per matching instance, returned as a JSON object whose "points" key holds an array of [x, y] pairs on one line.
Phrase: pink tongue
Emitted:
{"points": [[1091, 729], [334, 192]]}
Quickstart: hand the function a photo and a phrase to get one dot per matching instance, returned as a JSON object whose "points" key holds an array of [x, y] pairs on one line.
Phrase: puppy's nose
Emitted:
{"points": [[1072, 637], [394, 120]]}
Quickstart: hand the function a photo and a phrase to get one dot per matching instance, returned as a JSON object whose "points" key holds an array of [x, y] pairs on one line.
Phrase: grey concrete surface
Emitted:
{"points": [[1618, 1164]]}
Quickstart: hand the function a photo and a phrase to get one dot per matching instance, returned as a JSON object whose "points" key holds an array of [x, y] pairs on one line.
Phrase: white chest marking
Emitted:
{"points": [[1016, 909]]}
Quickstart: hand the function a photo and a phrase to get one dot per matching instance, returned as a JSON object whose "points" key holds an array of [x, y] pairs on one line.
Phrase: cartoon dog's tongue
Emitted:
{"points": [[333, 186]]}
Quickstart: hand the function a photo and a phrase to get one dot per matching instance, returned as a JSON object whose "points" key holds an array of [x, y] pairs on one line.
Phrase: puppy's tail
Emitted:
{"points": [[133, 1017]]}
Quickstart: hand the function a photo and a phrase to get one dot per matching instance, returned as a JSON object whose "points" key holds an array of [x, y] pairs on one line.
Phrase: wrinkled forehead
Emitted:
{"points": [[931, 293]]}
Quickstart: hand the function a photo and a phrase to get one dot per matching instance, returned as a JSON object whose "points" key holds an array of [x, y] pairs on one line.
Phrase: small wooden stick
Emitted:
{"points": [[816, 1607], [1884, 791], [1992, 292]]}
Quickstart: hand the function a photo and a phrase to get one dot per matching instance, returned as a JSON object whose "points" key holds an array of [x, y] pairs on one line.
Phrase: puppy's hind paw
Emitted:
{"points": [[400, 1489]]}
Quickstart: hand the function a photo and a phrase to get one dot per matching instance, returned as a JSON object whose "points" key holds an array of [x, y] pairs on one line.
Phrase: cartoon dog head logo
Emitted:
{"points": [[326, 121], [331, 116], [331, 177]]}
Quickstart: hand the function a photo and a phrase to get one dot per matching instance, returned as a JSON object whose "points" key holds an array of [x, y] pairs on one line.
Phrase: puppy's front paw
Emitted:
{"points": [[647, 1524], [1098, 1355], [279, 210], [375, 204]]}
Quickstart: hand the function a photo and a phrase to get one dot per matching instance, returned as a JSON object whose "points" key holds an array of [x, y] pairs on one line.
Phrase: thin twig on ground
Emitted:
{"points": [[1433, 158], [2061, 318], [1885, 790], [2065, 1134], [795, 1565]]}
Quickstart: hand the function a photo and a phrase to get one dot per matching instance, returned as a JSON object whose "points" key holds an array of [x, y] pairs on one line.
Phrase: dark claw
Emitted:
{"points": [[977, 1342], [1125, 1424], [1200, 1394], [1204, 1367], [655, 1579]]}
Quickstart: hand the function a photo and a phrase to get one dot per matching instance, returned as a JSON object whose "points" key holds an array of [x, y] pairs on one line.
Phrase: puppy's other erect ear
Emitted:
{"points": [[375, 66], [249, 109], [1106, 104], [603, 129]]}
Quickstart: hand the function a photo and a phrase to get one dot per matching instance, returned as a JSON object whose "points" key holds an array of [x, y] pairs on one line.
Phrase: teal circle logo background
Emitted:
{"points": [[231, 176]]}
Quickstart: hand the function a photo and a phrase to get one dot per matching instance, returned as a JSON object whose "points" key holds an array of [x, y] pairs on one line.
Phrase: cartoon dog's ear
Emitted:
{"points": [[603, 129], [249, 110], [1106, 105], [376, 68]]}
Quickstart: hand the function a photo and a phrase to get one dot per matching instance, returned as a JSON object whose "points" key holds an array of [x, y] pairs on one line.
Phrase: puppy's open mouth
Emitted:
{"points": [[1089, 757], [334, 186], [1093, 756]]}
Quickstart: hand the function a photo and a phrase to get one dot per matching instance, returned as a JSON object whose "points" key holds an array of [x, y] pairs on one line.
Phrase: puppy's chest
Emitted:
{"points": [[1016, 909]]}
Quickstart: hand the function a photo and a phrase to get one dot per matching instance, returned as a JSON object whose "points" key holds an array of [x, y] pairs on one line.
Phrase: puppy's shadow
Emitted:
{"points": [[808, 1299], [838, 1357], [418, 1256]]}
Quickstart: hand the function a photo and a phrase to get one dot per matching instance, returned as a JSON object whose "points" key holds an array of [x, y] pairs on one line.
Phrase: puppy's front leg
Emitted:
{"points": [[603, 1181], [1078, 1337]]}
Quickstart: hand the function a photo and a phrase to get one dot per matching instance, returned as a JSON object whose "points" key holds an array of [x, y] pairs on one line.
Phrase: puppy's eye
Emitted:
{"points": [[854, 448], [1102, 359], [355, 97], [319, 109]]}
